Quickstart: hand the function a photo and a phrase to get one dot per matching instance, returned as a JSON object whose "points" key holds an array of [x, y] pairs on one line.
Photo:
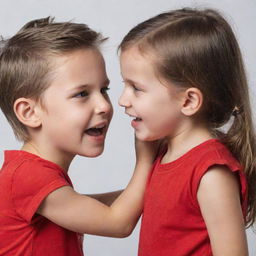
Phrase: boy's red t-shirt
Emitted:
{"points": [[172, 223], [25, 180]]}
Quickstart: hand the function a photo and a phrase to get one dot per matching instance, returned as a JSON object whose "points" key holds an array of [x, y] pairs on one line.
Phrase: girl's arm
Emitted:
{"points": [[83, 214], [219, 199]]}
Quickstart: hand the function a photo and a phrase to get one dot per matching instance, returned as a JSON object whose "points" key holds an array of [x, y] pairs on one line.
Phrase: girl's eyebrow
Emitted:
{"points": [[129, 81]]}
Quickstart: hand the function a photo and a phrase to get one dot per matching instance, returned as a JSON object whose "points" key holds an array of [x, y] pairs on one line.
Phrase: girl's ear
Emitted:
{"points": [[26, 111], [193, 99]]}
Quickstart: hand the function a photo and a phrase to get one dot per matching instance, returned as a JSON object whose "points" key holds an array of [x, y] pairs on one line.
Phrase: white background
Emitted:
{"points": [[114, 19]]}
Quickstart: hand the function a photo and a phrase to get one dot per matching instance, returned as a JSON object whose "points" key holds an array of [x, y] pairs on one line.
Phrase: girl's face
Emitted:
{"points": [[154, 106]]}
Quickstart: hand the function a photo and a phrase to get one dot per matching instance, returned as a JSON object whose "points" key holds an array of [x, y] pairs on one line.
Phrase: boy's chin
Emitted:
{"points": [[92, 153]]}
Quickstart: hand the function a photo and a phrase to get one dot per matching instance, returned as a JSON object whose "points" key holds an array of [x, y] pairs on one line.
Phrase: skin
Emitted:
{"points": [[219, 200], [106, 198], [75, 101], [165, 111]]}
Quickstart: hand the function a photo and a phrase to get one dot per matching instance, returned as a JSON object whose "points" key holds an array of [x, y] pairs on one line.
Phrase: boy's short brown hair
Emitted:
{"points": [[26, 61]]}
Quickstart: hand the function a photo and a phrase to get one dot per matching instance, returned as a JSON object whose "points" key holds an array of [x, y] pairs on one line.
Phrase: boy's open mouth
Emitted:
{"points": [[96, 131]]}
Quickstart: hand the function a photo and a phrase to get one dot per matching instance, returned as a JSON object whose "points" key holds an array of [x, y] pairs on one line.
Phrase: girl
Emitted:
{"points": [[184, 80]]}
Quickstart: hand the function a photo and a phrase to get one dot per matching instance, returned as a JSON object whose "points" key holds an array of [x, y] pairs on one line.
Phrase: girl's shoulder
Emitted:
{"points": [[205, 154], [214, 152]]}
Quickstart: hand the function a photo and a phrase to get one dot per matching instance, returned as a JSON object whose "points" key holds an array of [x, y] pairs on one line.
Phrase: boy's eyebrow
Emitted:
{"points": [[82, 86], [85, 86]]}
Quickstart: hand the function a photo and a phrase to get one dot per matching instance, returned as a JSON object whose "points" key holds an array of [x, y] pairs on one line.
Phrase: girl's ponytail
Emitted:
{"points": [[240, 139]]}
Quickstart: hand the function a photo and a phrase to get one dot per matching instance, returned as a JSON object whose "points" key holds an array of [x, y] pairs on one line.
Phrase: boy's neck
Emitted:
{"points": [[186, 139], [48, 154]]}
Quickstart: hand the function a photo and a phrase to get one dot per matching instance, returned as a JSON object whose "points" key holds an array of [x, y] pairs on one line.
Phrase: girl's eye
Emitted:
{"points": [[135, 88], [82, 94], [104, 90]]}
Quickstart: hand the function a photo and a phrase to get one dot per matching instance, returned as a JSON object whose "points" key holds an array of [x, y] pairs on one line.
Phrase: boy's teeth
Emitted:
{"points": [[99, 126], [95, 131], [138, 119]]}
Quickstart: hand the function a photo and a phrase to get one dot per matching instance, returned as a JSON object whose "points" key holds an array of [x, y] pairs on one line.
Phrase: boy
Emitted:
{"points": [[53, 92]]}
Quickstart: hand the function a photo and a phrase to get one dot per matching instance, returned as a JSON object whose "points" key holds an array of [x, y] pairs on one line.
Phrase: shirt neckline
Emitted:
{"points": [[177, 162]]}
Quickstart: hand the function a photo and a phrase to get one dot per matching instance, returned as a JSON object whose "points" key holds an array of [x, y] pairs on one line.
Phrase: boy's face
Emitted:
{"points": [[77, 109], [154, 106]]}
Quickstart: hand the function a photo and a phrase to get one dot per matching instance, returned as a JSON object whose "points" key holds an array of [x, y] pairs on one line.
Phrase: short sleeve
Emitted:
{"points": [[232, 166], [32, 182]]}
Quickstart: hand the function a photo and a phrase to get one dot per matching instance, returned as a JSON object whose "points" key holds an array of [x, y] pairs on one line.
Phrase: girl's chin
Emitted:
{"points": [[144, 138], [147, 137]]}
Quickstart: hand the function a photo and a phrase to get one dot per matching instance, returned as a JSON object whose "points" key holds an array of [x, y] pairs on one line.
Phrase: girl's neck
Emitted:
{"points": [[185, 140]]}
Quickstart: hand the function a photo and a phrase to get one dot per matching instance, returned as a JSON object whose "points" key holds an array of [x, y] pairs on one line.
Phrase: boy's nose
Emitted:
{"points": [[123, 100], [103, 106]]}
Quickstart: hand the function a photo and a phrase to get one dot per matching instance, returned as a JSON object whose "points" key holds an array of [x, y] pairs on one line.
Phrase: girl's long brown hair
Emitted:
{"points": [[198, 48]]}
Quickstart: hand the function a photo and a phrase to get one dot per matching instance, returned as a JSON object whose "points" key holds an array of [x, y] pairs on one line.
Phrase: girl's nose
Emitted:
{"points": [[124, 100]]}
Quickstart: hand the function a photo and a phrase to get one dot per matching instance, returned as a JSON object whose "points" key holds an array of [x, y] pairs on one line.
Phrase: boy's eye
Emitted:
{"points": [[104, 90], [81, 94]]}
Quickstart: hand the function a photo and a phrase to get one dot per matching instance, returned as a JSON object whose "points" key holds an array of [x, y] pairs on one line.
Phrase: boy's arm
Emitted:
{"points": [[219, 200], [106, 198], [83, 214]]}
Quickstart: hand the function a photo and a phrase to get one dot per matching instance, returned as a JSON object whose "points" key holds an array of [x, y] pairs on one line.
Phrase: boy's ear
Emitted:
{"points": [[193, 99], [26, 111]]}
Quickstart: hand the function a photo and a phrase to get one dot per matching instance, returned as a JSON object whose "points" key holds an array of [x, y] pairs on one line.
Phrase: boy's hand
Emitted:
{"points": [[148, 150], [80, 213]]}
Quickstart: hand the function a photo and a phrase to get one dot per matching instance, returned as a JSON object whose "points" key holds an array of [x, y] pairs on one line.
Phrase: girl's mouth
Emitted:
{"points": [[136, 122], [137, 119]]}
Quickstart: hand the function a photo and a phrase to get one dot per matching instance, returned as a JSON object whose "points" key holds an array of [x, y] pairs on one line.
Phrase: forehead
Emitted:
{"points": [[133, 61], [86, 59], [135, 54], [139, 68], [85, 66]]}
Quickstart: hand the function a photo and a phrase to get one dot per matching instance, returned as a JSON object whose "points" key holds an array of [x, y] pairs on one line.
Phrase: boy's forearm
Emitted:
{"points": [[127, 208], [83, 214], [106, 198]]}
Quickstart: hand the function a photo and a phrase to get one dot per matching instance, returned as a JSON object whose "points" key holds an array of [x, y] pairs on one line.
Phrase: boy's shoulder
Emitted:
{"points": [[26, 179], [16, 159], [22, 165]]}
